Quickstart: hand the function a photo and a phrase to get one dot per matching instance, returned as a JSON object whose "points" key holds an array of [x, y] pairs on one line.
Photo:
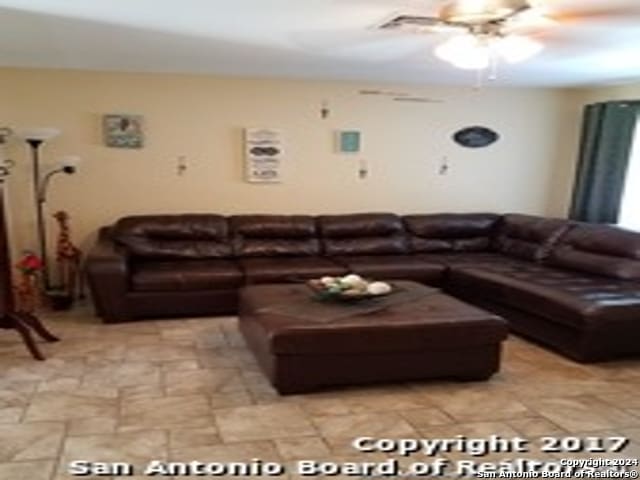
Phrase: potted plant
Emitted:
{"points": [[68, 258], [27, 290]]}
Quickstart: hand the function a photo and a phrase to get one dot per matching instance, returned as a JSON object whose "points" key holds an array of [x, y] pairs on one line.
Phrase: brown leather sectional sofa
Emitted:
{"points": [[574, 287]]}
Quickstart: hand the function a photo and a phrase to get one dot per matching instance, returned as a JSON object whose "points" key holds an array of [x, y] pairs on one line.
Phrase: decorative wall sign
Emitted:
{"points": [[348, 141], [123, 131], [263, 155], [475, 137]]}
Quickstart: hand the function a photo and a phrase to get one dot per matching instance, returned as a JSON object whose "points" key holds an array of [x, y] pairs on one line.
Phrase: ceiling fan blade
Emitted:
{"points": [[574, 41], [582, 25], [617, 13], [420, 24], [411, 20], [529, 21]]}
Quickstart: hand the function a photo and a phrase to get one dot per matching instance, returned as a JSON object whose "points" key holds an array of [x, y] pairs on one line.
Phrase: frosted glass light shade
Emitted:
{"points": [[475, 52], [478, 59], [455, 46], [465, 51], [516, 48], [42, 133]]}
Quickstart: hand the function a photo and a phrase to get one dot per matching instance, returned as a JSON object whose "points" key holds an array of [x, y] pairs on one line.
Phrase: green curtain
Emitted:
{"points": [[605, 147]]}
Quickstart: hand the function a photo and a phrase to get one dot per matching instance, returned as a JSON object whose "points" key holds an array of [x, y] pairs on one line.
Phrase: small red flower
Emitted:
{"points": [[29, 264]]}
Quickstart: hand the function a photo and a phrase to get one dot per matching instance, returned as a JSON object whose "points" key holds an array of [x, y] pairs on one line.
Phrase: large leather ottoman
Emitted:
{"points": [[418, 333]]}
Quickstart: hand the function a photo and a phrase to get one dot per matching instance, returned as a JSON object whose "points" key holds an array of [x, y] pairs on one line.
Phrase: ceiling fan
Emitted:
{"points": [[472, 34], [487, 30]]}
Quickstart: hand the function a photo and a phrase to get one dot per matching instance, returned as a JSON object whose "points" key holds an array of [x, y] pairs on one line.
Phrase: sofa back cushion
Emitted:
{"points": [[362, 234], [173, 236], [450, 232], [529, 237], [274, 235], [600, 249]]}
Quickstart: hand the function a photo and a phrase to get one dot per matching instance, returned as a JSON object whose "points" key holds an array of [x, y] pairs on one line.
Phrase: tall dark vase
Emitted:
{"points": [[24, 323]]}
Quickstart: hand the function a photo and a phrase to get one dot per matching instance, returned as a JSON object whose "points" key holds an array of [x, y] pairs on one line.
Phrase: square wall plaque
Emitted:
{"points": [[349, 141], [123, 131]]}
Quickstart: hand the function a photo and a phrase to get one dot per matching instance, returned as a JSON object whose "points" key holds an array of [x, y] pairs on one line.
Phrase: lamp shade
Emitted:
{"points": [[41, 133]]}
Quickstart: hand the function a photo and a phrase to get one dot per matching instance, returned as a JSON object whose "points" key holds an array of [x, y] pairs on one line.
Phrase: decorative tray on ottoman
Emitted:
{"points": [[350, 288]]}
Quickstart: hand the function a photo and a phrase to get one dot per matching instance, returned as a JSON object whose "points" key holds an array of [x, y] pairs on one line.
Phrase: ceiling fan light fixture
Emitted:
{"points": [[517, 48], [456, 45], [467, 52], [478, 60], [477, 52]]}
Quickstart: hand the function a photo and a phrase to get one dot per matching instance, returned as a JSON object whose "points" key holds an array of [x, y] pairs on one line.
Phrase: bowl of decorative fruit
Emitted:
{"points": [[351, 287]]}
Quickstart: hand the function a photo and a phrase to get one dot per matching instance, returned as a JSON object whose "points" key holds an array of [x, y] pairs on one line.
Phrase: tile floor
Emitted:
{"points": [[188, 389]]}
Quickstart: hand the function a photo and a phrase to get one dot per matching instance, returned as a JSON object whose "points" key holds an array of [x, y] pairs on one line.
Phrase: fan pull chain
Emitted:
{"points": [[493, 66], [479, 79]]}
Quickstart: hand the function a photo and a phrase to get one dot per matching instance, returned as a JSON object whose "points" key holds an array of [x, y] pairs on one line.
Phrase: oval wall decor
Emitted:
{"points": [[475, 137]]}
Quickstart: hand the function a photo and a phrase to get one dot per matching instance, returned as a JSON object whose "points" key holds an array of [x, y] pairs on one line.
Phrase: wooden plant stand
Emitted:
{"points": [[24, 323]]}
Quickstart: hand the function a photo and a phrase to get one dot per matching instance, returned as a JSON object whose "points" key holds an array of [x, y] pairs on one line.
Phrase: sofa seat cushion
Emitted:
{"points": [[167, 276], [394, 267], [470, 259], [288, 269], [573, 299]]}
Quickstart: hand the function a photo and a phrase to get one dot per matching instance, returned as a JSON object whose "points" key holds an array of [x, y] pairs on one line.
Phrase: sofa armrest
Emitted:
{"points": [[107, 269]]}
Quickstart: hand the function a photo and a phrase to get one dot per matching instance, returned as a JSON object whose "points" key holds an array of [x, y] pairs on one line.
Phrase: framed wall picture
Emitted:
{"points": [[263, 155], [348, 141], [123, 131]]}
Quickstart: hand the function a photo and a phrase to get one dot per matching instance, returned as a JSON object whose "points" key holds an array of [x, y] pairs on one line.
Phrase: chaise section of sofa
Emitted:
{"points": [[580, 295]]}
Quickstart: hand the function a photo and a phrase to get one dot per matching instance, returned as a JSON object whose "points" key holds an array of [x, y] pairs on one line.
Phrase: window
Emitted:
{"points": [[630, 208]]}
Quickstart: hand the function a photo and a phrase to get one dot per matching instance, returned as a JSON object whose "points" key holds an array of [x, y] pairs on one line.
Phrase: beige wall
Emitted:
{"points": [[202, 118], [602, 94]]}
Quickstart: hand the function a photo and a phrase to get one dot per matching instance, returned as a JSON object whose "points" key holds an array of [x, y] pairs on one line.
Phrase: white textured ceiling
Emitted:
{"points": [[323, 39]]}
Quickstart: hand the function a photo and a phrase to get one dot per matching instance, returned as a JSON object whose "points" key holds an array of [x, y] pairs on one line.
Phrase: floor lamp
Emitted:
{"points": [[35, 138]]}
